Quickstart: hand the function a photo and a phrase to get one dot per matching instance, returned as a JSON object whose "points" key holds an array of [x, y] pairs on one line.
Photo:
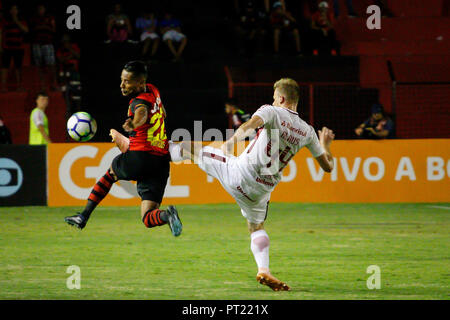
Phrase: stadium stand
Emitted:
{"points": [[16, 109], [16, 106], [336, 90], [415, 42]]}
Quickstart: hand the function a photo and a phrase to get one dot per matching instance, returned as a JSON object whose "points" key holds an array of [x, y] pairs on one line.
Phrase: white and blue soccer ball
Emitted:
{"points": [[81, 126]]}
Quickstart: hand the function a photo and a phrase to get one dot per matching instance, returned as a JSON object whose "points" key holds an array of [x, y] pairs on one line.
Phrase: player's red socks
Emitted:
{"points": [[101, 188], [99, 191], [154, 217]]}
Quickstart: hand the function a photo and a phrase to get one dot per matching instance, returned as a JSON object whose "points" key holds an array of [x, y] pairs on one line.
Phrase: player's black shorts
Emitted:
{"points": [[150, 171]]}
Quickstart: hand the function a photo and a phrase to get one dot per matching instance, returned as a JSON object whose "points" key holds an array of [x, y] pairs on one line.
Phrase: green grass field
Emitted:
{"points": [[321, 251]]}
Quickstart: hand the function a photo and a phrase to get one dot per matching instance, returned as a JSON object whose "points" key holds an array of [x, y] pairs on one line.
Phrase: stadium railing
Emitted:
{"points": [[419, 109], [338, 105]]}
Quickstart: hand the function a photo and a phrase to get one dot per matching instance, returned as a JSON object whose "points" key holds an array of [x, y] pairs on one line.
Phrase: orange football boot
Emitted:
{"points": [[272, 282]]}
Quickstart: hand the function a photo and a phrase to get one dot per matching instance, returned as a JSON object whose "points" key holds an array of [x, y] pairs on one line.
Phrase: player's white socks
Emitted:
{"points": [[175, 151], [260, 248]]}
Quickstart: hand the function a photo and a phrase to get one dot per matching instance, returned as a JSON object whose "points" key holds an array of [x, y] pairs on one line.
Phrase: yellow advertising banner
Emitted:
{"points": [[365, 171]]}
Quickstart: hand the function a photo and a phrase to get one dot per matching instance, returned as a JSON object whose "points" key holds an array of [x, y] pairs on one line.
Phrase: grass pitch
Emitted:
{"points": [[321, 251]]}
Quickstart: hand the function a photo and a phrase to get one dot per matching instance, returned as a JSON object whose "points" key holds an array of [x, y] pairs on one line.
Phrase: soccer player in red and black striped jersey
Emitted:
{"points": [[146, 158]]}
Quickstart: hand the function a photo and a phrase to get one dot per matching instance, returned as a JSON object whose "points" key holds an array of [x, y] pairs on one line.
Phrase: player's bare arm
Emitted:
{"points": [[326, 162], [44, 134], [244, 131], [360, 129], [380, 134], [138, 120]]}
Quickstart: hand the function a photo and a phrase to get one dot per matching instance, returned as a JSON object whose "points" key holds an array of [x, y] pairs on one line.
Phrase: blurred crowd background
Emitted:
{"points": [[201, 54]]}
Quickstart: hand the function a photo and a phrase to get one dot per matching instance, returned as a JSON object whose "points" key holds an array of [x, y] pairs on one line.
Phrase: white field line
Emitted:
{"points": [[440, 207]]}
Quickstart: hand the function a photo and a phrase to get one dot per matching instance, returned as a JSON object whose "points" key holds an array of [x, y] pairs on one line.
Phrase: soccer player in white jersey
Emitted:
{"points": [[251, 177]]}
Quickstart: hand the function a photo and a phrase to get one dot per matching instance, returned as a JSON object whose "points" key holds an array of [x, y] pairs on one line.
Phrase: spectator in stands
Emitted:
{"points": [[250, 30], [43, 29], [172, 36], [118, 26], [238, 116], [39, 133], [324, 35], [5, 134], [68, 56], [283, 21], [378, 126], [350, 10], [13, 29], [146, 26]]}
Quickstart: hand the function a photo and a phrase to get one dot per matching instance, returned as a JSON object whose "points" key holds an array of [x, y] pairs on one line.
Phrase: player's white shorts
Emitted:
{"points": [[151, 35], [252, 197], [173, 35]]}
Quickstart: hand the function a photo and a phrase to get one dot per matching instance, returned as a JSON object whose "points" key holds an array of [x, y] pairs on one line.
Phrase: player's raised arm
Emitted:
{"points": [[325, 160], [138, 120], [244, 131]]}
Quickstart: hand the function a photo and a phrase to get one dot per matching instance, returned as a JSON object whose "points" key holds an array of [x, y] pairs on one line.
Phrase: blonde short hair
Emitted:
{"points": [[289, 89]]}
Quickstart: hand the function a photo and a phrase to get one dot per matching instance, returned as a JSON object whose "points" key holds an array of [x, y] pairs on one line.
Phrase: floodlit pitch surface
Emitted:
{"points": [[321, 251]]}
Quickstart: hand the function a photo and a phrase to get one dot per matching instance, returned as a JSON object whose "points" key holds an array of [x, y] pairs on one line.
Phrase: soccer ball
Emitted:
{"points": [[81, 126]]}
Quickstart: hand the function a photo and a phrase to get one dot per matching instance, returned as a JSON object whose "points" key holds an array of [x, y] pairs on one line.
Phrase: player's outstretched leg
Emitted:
{"points": [[155, 217], [99, 192], [260, 248], [121, 141], [185, 150]]}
